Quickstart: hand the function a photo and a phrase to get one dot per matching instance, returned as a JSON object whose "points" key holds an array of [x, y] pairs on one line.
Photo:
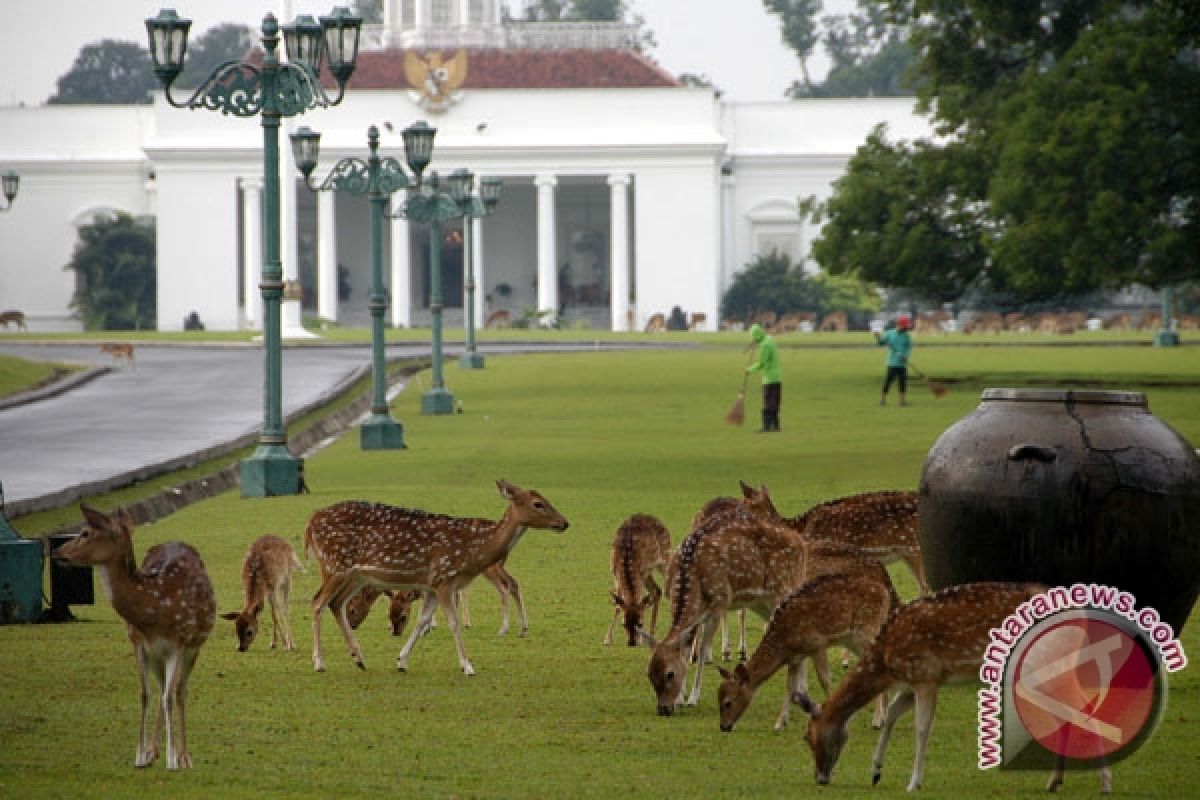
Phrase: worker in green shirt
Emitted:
{"points": [[899, 345], [767, 363]]}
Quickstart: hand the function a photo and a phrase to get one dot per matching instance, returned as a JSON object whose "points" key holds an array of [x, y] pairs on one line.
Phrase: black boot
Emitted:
{"points": [[774, 420], [766, 422]]}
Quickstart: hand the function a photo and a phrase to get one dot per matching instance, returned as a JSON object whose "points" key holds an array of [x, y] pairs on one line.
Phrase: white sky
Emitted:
{"points": [[736, 43]]}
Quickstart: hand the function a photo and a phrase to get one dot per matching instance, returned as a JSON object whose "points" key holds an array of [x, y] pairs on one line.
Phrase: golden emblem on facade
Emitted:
{"points": [[435, 82]]}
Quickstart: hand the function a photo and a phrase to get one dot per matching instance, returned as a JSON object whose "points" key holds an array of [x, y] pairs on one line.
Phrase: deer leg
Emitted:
{"points": [[902, 703], [742, 635], [725, 651], [147, 750], [821, 665], [429, 605], [502, 590], [169, 686], [319, 601], [795, 681], [188, 662], [923, 719], [461, 606], [917, 567], [611, 625], [273, 601], [285, 596], [514, 589], [705, 655], [655, 598], [446, 595], [338, 603]]}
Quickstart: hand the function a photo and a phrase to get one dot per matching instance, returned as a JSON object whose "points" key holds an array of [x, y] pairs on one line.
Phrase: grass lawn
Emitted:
{"points": [[555, 715]]}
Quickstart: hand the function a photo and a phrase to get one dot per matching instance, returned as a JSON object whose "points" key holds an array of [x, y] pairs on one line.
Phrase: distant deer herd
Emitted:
{"points": [[818, 581]]}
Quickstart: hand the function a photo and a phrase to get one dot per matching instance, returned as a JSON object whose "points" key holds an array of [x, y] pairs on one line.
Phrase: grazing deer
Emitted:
{"points": [[882, 524], [846, 608], [642, 546], [398, 548], [932, 641], [169, 610], [119, 351], [266, 577], [729, 562], [13, 318], [400, 603]]}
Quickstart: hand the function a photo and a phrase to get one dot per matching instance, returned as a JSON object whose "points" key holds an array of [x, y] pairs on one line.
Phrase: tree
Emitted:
{"points": [[371, 11], [772, 283], [107, 72], [1069, 139], [115, 273], [869, 55], [217, 45], [561, 10]]}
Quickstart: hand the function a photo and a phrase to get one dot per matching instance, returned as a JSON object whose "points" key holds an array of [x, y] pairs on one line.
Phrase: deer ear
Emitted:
{"points": [[726, 674], [125, 518], [93, 516], [230, 615], [646, 638], [506, 488], [747, 489], [741, 673]]}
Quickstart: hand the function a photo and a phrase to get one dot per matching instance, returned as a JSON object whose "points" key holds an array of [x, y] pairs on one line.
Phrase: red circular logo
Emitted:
{"points": [[1084, 688]]}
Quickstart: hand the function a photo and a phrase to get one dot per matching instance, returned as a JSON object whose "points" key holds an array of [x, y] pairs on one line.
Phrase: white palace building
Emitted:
{"points": [[625, 193]]}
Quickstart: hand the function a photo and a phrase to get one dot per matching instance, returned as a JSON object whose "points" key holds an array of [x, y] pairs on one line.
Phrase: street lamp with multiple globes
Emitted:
{"points": [[474, 206], [10, 181], [428, 204], [272, 90], [378, 178]]}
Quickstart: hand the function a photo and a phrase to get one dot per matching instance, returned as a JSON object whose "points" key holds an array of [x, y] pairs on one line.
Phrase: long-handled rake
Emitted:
{"points": [[937, 387]]}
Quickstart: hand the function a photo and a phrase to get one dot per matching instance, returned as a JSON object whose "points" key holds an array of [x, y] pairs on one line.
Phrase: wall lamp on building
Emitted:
{"points": [[377, 178], [10, 181], [271, 90], [474, 206]]}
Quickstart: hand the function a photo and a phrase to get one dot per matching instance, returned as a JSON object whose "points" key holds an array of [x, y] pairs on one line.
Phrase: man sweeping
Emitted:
{"points": [[767, 363], [899, 346]]}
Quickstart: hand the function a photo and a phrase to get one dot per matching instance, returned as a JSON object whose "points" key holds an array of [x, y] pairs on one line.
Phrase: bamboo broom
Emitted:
{"points": [[737, 414]]}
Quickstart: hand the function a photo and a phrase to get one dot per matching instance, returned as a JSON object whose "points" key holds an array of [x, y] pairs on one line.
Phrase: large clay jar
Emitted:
{"points": [[1065, 486]]}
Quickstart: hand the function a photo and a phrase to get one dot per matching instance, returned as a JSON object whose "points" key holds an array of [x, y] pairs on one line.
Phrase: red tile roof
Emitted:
{"points": [[524, 69]]}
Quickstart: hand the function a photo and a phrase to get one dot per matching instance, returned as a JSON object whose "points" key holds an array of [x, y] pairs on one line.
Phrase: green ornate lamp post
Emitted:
{"points": [[428, 204], [1167, 336], [378, 178], [272, 90], [474, 206], [10, 181]]}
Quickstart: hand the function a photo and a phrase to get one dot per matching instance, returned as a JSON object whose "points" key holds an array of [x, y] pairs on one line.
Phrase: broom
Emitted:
{"points": [[737, 414], [937, 387]]}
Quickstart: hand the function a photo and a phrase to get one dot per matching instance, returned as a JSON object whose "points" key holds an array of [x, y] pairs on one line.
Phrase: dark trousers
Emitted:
{"points": [[899, 375], [772, 397]]}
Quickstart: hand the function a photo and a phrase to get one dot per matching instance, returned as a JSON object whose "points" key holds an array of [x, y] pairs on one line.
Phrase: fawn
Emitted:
{"points": [[846, 608], [169, 610], [13, 318], [642, 545], [399, 548], [266, 576], [119, 351]]}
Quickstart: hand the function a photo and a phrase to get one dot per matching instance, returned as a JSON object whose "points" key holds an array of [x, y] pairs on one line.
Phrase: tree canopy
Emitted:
{"points": [[115, 279], [107, 72], [1067, 157]]}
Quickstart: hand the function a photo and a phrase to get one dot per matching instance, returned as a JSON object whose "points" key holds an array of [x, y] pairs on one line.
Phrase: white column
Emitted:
{"points": [[327, 260], [400, 284], [252, 248], [618, 279], [291, 322], [477, 269], [547, 253]]}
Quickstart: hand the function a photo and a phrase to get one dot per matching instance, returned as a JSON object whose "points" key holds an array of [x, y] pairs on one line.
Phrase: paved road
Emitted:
{"points": [[176, 401]]}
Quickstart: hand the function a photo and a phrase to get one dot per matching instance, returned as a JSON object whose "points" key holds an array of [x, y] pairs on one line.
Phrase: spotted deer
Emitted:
{"points": [[842, 608], [932, 641], [119, 351], [729, 562], [13, 318], [881, 524], [401, 549], [169, 610], [712, 508], [266, 578], [641, 547]]}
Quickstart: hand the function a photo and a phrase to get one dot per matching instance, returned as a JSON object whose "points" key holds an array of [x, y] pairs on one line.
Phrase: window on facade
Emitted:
{"points": [[441, 13], [475, 12], [408, 13], [785, 243]]}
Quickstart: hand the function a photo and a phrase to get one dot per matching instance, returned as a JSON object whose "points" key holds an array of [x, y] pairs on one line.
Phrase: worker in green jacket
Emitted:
{"points": [[899, 346], [767, 363]]}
